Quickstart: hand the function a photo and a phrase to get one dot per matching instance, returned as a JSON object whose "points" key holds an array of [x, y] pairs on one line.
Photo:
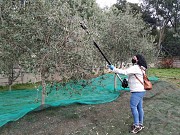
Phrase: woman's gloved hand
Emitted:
{"points": [[111, 67]]}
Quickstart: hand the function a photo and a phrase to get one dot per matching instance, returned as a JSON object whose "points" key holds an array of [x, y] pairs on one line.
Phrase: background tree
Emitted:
{"points": [[171, 44], [121, 5], [162, 15]]}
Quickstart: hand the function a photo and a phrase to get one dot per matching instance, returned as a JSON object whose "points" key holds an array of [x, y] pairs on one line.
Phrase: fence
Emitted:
{"points": [[173, 62], [176, 62], [23, 78]]}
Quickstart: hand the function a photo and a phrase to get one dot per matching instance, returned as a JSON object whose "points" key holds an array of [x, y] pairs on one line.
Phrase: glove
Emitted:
{"points": [[111, 67]]}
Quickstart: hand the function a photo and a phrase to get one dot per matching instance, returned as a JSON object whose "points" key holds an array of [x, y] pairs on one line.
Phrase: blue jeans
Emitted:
{"points": [[136, 104]]}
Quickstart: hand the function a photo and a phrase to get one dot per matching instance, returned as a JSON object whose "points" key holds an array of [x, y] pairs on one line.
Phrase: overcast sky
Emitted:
{"points": [[103, 3]]}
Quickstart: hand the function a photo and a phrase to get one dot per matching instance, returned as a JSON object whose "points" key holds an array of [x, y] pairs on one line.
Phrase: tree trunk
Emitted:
{"points": [[161, 37], [10, 81], [43, 91], [10, 87]]}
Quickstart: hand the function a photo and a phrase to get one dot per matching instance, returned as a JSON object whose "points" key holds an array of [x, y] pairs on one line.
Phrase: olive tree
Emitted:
{"points": [[47, 39], [126, 35]]}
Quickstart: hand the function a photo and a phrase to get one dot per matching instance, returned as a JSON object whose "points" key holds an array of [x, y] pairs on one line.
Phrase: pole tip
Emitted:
{"points": [[83, 25]]}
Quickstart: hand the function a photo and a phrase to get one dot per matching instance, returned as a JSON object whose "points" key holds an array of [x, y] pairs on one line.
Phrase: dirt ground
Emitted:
{"points": [[161, 107]]}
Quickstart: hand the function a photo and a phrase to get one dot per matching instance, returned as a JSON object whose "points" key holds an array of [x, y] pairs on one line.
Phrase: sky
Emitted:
{"points": [[103, 3]]}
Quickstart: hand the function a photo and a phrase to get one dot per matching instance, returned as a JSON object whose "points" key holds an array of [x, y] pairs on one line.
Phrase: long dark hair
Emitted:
{"points": [[141, 61]]}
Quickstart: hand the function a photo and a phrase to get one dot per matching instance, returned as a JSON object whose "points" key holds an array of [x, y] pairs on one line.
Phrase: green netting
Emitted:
{"points": [[16, 103]]}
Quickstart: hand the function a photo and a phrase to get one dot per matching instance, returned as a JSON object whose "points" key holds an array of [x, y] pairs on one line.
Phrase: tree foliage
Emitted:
{"points": [[163, 16], [126, 35]]}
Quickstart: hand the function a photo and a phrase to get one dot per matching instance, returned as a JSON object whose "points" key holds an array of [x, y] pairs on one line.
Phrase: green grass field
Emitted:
{"points": [[19, 86], [171, 75]]}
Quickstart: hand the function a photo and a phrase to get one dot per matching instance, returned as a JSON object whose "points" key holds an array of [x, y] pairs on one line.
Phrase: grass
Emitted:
{"points": [[171, 74], [19, 86]]}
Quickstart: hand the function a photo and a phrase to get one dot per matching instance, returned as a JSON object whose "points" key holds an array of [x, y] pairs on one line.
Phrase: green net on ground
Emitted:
{"points": [[16, 103]]}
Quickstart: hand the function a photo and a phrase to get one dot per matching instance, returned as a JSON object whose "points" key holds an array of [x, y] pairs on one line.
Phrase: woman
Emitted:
{"points": [[136, 89]]}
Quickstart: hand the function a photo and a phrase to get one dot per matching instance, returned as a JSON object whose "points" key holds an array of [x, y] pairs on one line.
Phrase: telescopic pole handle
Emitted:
{"points": [[101, 53]]}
